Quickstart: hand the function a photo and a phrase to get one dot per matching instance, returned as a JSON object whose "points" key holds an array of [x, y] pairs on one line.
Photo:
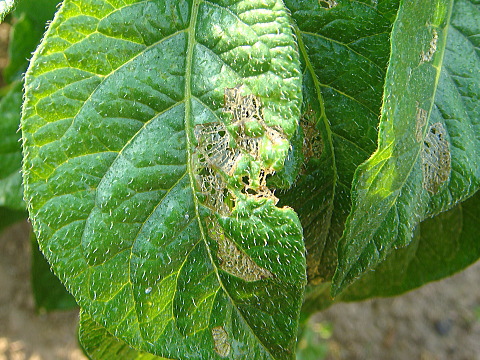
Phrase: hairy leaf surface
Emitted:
{"points": [[130, 107], [427, 159]]}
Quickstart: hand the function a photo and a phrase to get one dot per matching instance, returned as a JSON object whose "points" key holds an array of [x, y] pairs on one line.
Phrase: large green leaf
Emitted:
{"points": [[345, 52], [11, 192], [98, 344], [427, 159], [149, 130], [5, 7]]}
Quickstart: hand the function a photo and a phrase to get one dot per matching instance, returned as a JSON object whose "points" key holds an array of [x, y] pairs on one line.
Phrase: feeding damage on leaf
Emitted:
{"points": [[232, 259], [436, 158], [328, 4], [236, 159], [220, 339], [421, 121], [312, 146], [428, 56]]}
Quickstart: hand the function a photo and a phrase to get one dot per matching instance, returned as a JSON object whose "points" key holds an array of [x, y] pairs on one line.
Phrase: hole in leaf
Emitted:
{"points": [[312, 140], [328, 4], [218, 154]]}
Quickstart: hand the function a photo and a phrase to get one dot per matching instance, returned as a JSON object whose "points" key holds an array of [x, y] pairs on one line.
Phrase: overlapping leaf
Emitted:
{"points": [[345, 52], [398, 186], [114, 95]]}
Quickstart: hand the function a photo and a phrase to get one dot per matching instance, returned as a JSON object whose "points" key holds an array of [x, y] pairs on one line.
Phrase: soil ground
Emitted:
{"points": [[440, 321]]}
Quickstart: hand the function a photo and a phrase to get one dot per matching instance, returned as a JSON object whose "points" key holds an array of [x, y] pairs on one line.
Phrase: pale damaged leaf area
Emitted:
{"points": [[435, 158], [146, 171]]}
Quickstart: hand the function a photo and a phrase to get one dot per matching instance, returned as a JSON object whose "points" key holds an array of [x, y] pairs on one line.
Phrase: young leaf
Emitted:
{"points": [[11, 192], [345, 51], [5, 7], [420, 162], [149, 130], [98, 344]]}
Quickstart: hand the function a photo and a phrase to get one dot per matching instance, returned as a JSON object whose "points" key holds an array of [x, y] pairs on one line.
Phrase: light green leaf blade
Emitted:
{"points": [[114, 143], [420, 167], [98, 344], [345, 51], [6, 7], [11, 191]]}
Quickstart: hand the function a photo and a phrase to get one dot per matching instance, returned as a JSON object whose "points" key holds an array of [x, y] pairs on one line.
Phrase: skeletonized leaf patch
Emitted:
{"points": [[435, 158]]}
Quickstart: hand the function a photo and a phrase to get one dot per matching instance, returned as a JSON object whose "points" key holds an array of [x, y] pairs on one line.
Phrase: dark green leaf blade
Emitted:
{"points": [[99, 344], [402, 183], [112, 142], [345, 52], [11, 191]]}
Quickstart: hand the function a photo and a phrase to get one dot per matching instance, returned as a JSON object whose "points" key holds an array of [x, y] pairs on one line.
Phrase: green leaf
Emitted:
{"points": [[98, 344], [49, 293], [26, 33], [127, 177], [345, 51], [11, 192], [440, 247], [427, 159], [5, 7]]}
